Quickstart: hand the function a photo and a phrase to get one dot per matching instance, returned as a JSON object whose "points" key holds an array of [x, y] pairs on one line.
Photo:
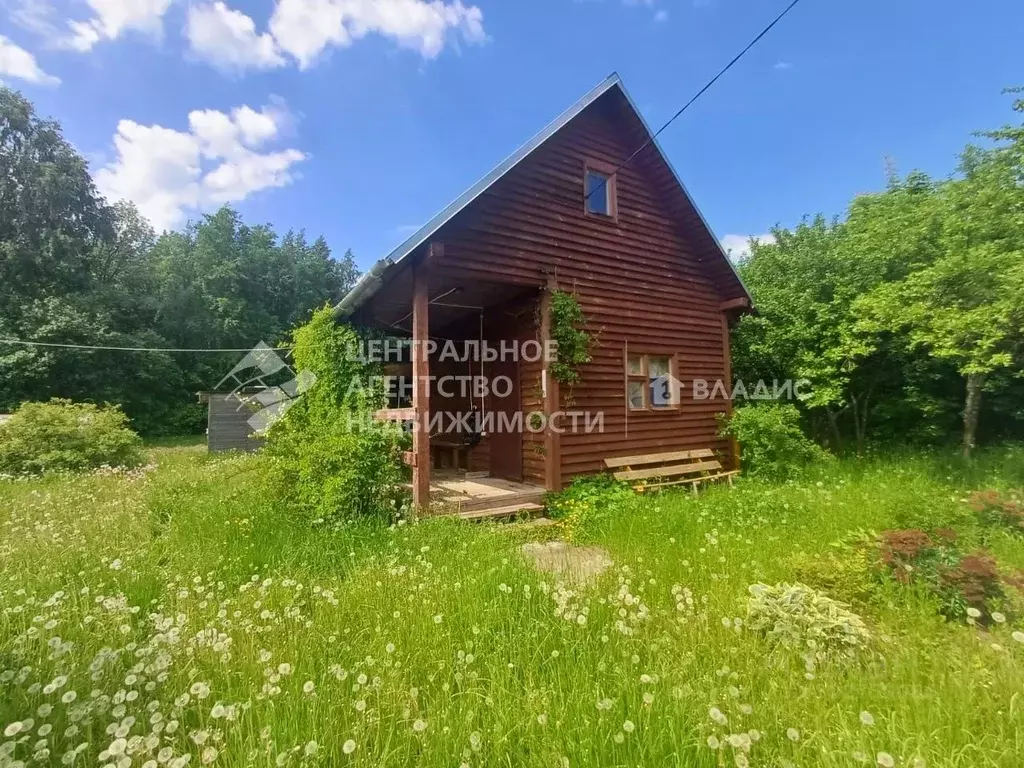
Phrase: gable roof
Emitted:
{"points": [[379, 273]]}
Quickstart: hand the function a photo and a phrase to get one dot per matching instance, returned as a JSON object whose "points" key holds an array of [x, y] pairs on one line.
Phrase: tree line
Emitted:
{"points": [[75, 269], [906, 315]]}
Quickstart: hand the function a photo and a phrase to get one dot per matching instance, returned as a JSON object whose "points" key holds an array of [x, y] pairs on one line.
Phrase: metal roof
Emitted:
{"points": [[378, 273]]}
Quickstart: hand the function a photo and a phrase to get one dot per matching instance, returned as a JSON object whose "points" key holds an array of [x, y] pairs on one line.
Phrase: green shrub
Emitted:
{"points": [[771, 442], [800, 618], [64, 436], [586, 501], [996, 509], [328, 459], [845, 574]]}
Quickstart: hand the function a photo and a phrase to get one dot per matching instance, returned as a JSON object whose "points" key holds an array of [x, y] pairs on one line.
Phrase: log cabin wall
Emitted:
{"points": [[638, 276]]}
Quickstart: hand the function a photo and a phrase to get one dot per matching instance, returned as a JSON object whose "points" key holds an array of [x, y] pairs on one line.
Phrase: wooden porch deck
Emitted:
{"points": [[473, 497]]}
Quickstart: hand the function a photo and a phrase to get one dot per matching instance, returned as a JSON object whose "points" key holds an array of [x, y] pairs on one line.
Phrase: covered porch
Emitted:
{"points": [[474, 496], [467, 407]]}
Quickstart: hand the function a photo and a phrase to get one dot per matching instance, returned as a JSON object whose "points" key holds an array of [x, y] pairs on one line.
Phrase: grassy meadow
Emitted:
{"points": [[174, 615]]}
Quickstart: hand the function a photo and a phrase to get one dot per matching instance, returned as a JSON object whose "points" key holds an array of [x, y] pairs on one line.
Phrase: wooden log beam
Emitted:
{"points": [[395, 414], [726, 306], [421, 387]]}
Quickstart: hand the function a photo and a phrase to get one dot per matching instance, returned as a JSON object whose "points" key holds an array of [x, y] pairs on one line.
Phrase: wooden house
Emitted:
{"points": [[590, 206]]}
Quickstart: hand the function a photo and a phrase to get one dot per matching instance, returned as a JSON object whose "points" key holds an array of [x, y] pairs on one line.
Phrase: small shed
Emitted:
{"points": [[227, 422]]}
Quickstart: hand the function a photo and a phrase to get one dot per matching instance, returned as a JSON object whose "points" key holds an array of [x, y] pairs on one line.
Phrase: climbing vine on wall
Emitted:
{"points": [[568, 330]]}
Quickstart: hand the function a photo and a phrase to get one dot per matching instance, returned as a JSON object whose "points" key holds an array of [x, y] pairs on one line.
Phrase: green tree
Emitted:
{"points": [[51, 217], [805, 285], [74, 270], [965, 302]]}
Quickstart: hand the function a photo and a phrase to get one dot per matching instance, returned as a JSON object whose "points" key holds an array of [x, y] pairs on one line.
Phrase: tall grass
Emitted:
{"points": [[195, 623]]}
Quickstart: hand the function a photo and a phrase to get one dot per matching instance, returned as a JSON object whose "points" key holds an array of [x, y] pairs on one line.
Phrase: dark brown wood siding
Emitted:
{"points": [[637, 278]]}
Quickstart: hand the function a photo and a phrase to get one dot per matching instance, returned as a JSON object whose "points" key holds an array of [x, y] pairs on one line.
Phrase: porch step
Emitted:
{"points": [[512, 510], [505, 500]]}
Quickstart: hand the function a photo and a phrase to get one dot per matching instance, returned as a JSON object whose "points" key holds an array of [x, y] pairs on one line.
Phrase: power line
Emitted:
{"points": [[696, 96], [96, 347]]}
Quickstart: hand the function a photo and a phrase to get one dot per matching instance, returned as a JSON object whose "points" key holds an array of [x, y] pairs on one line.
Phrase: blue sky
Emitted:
{"points": [[360, 119]]}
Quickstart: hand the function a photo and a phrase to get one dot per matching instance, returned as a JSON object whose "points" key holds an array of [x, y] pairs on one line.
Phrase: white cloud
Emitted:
{"points": [[169, 174], [227, 38], [299, 30], [305, 28], [34, 15], [782, 66], [112, 18], [17, 62], [737, 247]]}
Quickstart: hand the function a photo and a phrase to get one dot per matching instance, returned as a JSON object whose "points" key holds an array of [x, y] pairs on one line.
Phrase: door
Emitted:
{"points": [[506, 437]]}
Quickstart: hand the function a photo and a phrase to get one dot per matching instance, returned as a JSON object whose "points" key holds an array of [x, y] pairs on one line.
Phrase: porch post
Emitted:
{"points": [[552, 439], [421, 389]]}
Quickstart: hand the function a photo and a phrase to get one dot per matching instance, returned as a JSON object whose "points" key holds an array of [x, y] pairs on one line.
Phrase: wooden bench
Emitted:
{"points": [[673, 468]]}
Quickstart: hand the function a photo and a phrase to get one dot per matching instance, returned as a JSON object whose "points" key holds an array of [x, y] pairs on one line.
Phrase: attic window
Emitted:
{"points": [[599, 191]]}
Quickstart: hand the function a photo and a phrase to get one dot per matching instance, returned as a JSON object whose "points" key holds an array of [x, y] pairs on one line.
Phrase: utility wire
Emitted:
{"points": [[124, 349], [696, 96]]}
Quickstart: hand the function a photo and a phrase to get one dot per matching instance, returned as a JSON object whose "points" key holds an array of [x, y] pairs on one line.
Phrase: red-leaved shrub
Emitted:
{"points": [[997, 508]]}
